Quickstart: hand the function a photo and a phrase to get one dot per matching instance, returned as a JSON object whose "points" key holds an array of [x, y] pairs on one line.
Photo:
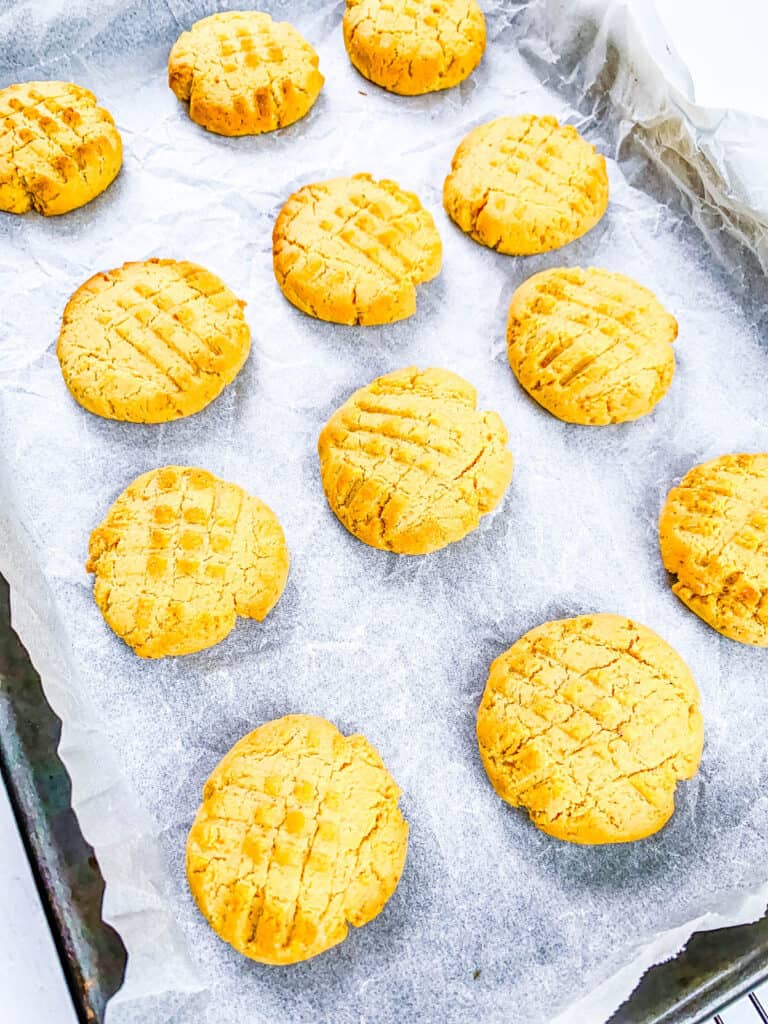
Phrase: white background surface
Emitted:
{"points": [[32, 986], [723, 42], [723, 45]]}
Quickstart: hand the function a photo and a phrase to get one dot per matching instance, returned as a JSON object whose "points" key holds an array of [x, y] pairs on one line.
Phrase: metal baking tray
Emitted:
{"points": [[714, 968]]}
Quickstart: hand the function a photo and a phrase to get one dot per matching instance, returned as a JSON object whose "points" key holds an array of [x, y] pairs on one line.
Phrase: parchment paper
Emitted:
{"points": [[492, 921]]}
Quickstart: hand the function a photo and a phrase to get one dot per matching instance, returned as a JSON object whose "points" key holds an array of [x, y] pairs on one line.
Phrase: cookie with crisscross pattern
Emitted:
{"points": [[299, 834], [527, 184], [410, 464], [352, 250], [58, 148], [179, 555], [590, 346], [243, 73], [414, 46], [589, 724], [152, 341], [713, 532]]}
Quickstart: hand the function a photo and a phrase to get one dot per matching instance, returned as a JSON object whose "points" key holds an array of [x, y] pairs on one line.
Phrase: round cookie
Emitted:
{"points": [[58, 149], [179, 555], [410, 464], [244, 74], [352, 250], [590, 346], [299, 834], [525, 185], [153, 341], [713, 532], [414, 46], [589, 723]]}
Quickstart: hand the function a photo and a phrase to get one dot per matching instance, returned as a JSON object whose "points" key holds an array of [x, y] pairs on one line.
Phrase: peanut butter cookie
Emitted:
{"points": [[589, 723], [58, 149], [152, 341], [713, 532], [352, 250], [525, 185], [414, 46], [410, 464], [590, 346], [298, 836], [243, 74], [179, 556]]}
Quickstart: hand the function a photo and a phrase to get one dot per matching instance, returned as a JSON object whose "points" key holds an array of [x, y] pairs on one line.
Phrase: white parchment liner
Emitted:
{"points": [[396, 648]]}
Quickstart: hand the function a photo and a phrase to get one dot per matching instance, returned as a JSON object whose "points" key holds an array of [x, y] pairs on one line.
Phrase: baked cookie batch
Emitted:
{"points": [[587, 723]]}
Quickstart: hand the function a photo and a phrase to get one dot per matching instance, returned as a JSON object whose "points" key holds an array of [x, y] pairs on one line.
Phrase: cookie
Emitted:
{"points": [[152, 341], [713, 532], [589, 723], [244, 74], [410, 464], [590, 346], [298, 836], [352, 250], [179, 556], [58, 149], [524, 185], [414, 46]]}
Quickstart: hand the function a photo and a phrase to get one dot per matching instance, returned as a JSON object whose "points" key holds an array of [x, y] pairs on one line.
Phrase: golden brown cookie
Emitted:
{"points": [[713, 532], [524, 185], [410, 464], [58, 149], [589, 723], [352, 250], [243, 74], [179, 556], [591, 346], [299, 834], [152, 341], [414, 46]]}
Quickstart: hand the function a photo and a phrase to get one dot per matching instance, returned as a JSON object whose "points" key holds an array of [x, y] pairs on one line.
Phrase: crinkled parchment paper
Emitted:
{"points": [[492, 921]]}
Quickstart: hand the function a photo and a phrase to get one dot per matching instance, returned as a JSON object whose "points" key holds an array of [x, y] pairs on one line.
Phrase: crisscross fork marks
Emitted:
{"points": [[324, 844], [243, 73], [414, 46], [58, 149], [591, 346], [747, 500], [713, 532], [409, 463], [556, 293], [591, 747], [179, 556], [352, 250], [133, 331], [133, 301], [525, 153], [525, 184], [152, 341], [29, 121]]}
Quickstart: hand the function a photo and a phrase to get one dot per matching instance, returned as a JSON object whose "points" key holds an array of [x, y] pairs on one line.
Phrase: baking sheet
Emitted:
{"points": [[492, 920]]}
